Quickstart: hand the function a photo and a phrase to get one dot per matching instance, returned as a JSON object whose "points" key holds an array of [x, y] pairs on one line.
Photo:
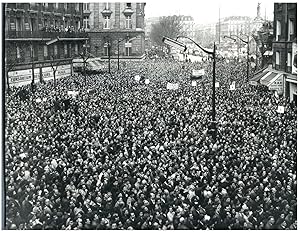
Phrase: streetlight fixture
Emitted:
{"points": [[182, 47], [119, 41], [246, 42], [108, 51], [174, 43]]}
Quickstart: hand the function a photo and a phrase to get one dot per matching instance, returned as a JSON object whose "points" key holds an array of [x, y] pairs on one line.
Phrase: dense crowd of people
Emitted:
{"points": [[122, 154]]}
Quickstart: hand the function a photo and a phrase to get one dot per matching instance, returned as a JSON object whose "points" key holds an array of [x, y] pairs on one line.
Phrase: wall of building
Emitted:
{"points": [[117, 29], [28, 26]]}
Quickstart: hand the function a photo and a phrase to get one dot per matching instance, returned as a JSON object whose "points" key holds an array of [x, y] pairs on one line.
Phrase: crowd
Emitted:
{"points": [[123, 154]]}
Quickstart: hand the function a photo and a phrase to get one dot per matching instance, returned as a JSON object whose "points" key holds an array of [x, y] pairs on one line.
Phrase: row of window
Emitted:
{"points": [[53, 51], [291, 29], [278, 59], [33, 25], [66, 6]]}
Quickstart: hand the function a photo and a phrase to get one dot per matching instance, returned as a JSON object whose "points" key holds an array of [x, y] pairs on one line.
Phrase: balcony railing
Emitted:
{"points": [[42, 34]]}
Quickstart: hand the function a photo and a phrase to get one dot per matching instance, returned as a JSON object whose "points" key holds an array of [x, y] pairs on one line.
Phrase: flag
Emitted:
{"points": [[194, 83], [276, 94], [217, 84]]}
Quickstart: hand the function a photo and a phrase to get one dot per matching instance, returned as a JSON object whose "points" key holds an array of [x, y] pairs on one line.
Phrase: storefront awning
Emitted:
{"points": [[266, 80], [258, 76], [268, 53]]}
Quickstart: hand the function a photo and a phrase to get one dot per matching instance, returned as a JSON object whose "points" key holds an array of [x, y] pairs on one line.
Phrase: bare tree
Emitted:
{"points": [[85, 57], [54, 65], [170, 26], [10, 60]]}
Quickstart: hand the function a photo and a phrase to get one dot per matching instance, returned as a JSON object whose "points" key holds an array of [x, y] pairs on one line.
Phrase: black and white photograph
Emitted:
{"points": [[153, 115]]}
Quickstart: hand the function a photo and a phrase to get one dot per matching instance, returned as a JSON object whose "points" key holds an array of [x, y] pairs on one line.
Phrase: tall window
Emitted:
{"points": [[128, 51], [291, 29], [55, 50], [128, 22], [86, 6], [106, 22], [45, 51], [45, 22], [77, 6], [278, 29], [289, 60], [65, 6], [18, 52], [277, 61], [76, 49], [18, 24], [66, 49], [56, 5], [105, 50], [86, 22], [106, 6], [32, 24]]}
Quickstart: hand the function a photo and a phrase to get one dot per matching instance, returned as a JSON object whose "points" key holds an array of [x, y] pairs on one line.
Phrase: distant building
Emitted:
{"points": [[282, 76], [285, 45], [205, 34], [31, 44], [110, 22], [233, 25]]}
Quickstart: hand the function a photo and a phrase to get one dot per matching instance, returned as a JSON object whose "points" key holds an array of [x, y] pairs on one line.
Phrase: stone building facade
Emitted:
{"points": [[117, 28], [39, 35]]}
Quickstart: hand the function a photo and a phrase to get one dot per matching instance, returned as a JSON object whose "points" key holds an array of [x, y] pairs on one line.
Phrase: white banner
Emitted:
{"points": [[194, 83], [23, 77], [137, 78], [280, 109], [232, 86], [73, 93], [172, 86], [198, 73]]}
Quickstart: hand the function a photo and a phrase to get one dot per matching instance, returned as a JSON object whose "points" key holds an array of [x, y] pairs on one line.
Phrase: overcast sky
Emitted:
{"points": [[207, 11]]}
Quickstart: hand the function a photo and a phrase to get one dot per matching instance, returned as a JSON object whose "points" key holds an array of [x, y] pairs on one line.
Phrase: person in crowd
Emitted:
{"points": [[131, 155]]}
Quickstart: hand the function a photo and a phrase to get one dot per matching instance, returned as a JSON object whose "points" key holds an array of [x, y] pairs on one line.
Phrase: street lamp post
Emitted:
{"points": [[119, 41], [246, 42], [182, 47]]}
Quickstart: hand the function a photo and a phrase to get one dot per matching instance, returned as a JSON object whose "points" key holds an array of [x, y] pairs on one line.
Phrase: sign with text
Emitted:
{"points": [[280, 109], [232, 86], [277, 85], [137, 78], [172, 86], [198, 73], [23, 77]]}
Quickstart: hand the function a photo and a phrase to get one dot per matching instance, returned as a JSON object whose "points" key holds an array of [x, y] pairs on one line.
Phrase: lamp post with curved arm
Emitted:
{"points": [[246, 42], [183, 47]]}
